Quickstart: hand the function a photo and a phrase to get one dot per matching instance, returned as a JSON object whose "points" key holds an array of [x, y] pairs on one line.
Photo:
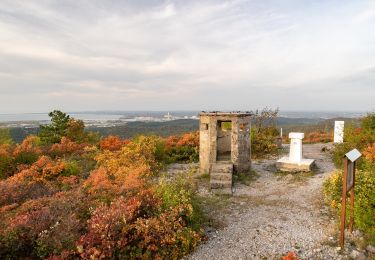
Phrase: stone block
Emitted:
{"points": [[284, 164]]}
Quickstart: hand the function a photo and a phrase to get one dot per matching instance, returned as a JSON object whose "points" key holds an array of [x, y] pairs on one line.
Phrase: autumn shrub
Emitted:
{"points": [[78, 201], [318, 137], [40, 179], [124, 171], [43, 227], [146, 225], [111, 143], [369, 153], [66, 147], [290, 256], [147, 150], [6, 161], [183, 148], [28, 151], [363, 139], [364, 207], [356, 137]]}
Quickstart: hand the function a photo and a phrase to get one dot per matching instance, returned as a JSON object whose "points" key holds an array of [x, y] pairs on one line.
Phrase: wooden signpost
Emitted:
{"points": [[348, 183]]}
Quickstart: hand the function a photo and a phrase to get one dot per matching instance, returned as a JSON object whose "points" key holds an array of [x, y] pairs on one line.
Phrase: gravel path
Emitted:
{"points": [[276, 214]]}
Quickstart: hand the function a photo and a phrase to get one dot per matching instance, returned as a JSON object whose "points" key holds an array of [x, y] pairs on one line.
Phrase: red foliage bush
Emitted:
{"points": [[130, 227], [30, 144], [28, 151], [6, 161], [32, 182], [50, 210], [369, 153], [111, 143], [290, 256], [183, 148], [66, 147], [189, 139], [318, 137], [51, 224]]}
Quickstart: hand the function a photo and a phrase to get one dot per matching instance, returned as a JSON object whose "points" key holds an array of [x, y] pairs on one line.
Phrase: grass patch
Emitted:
{"points": [[211, 208], [246, 178], [295, 176], [204, 176]]}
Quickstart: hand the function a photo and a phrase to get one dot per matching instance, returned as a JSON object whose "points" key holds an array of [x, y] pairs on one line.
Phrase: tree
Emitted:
{"points": [[5, 137], [53, 132], [76, 130], [368, 122]]}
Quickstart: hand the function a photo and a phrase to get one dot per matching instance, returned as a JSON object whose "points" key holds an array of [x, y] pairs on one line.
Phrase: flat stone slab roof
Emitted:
{"points": [[226, 113]]}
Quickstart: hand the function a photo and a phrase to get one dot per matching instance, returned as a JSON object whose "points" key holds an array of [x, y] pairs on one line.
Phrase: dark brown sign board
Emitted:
{"points": [[348, 182]]}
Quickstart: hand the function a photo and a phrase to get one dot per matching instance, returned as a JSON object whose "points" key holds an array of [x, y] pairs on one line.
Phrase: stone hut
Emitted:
{"points": [[224, 145]]}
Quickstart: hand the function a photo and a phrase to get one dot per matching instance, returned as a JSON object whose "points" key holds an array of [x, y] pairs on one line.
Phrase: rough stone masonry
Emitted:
{"points": [[224, 144]]}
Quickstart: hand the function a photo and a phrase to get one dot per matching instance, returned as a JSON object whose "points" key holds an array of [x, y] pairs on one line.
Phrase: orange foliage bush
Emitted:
{"points": [[5, 150], [111, 143], [111, 228], [318, 137], [51, 224], [6, 161], [29, 145], [191, 139], [290, 256], [142, 151], [54, 208], [66, 147], [183, 148], [32, 182], [130, 227], [369, 153], [124, 170]]}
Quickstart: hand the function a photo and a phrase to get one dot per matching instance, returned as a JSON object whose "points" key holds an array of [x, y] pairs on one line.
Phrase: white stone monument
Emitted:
{"points": [[295, 161], [338, 136]]}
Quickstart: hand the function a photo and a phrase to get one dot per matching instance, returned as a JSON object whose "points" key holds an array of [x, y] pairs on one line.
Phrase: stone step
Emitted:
{"points": [[222, 168], [220, 184], [225, 191], [221, 176]]}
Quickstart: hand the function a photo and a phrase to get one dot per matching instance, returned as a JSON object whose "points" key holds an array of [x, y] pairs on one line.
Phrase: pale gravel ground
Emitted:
{"points": [[274, 215]]}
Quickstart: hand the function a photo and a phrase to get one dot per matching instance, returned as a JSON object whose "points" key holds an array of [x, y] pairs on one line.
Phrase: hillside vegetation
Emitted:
{"points": [[362, 138], [66, 193]]}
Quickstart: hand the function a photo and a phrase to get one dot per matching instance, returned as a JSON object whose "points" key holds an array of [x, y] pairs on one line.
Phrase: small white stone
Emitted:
{"points": [[371, 249], [357, 255]]}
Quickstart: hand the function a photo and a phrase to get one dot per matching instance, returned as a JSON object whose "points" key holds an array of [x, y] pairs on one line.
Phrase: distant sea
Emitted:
{"points": [[97, 118], [108, 118]]}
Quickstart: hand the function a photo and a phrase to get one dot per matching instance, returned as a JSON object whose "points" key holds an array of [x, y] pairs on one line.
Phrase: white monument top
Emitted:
{"points": [[294, 135], [338, 136]]}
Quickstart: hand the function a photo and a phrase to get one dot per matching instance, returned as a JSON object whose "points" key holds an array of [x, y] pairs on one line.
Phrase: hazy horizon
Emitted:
{"points": [[186, 55]]}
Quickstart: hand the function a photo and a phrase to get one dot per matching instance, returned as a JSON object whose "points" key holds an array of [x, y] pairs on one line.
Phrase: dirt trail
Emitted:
{"points": [[274, 215]]}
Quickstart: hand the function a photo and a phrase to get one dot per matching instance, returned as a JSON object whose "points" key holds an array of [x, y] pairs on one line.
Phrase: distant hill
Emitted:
{"points": [[175, 127], [165, 128]]}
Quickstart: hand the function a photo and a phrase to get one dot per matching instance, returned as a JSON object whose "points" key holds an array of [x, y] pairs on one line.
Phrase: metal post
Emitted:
{"points": [[351, 221], [343, 203]]}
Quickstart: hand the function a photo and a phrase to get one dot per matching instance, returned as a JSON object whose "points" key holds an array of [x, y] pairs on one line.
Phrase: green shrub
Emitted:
{"points": [[26, 158], [6, 166], [5, 137], [359, 138], [364, 207], [263, 142], [71, 168]]}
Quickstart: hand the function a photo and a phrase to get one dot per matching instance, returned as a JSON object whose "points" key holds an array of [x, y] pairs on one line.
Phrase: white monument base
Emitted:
{"points": [[286, 165]]}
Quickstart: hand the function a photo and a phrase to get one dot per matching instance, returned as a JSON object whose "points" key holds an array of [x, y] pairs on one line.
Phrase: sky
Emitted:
{"points": [[88, 55]]}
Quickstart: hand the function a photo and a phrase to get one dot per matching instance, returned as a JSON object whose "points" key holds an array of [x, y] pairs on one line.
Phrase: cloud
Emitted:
{"points": [[184, 54]]}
